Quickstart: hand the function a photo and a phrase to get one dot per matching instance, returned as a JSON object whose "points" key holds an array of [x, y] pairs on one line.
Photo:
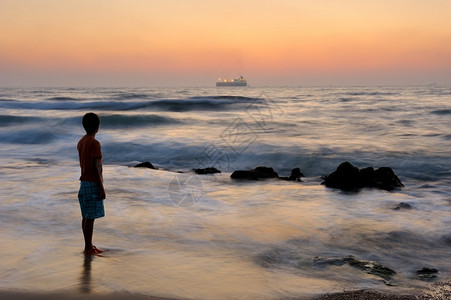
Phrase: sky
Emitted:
{"points": [[195, 42]]}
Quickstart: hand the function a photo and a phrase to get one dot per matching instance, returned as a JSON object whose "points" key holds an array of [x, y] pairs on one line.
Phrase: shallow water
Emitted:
{"points": [[211, 236]]}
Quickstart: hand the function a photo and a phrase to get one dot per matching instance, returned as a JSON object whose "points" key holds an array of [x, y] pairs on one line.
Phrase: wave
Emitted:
{"points": [[370, 93], [441, 112], [166, 154], [174, 105], [435, 91], [116, 121], [62, 99], [189, 105], [130, 96], [188, 154], [121, 121], [74, 105], [6, 120], [225, 97], [30, 136]]}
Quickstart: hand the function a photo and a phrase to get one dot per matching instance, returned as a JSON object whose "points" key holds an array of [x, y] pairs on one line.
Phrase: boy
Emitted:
{"points": [[92, 193]]}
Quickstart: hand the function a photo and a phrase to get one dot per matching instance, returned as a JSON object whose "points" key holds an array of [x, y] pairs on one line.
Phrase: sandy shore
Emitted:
{"points": [[349, 295], [364, 295], [437, 291], [20, 295]]}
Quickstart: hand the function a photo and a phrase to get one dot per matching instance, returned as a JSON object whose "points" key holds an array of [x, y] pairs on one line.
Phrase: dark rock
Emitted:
{"points": [[255, 174], [386, 179], [348, 177], [146, 165], [296, 258], [244, 174], [296, 175], [369, 266], [367, 176], [427, 273], [402, 205], [266, 172], [345, 177], [204, 171]]}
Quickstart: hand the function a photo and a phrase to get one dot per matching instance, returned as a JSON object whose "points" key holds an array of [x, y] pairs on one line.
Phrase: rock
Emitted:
{"points": [[296, 175], [367, 176], [296, 258], [345, 177], [386, 179], [244, 174], [266, 172], [255, 174], [402, 205], [146, 165], [427, 273], [369, 266], [204, 171], [348, 177]]}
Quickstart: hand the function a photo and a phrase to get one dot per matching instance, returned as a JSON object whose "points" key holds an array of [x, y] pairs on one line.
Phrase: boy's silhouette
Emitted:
{"points": [[92, 193]]}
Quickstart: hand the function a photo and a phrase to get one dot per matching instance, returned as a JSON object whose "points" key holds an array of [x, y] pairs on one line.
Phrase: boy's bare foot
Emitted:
{"points": [[97, 249], [93, 251]]}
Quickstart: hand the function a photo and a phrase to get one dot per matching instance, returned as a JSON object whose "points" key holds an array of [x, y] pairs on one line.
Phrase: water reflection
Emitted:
{"points": [[85, 278]]}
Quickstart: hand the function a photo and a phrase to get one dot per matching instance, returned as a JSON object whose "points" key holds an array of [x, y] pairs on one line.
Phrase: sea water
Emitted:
{"points": [[169, 232]]}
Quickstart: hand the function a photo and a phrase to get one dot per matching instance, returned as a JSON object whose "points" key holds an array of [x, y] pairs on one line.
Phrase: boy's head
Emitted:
{"points": [[91, 122]]}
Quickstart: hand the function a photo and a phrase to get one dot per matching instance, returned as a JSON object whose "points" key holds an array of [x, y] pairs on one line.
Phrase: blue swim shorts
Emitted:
{"points": [[90, 204]]}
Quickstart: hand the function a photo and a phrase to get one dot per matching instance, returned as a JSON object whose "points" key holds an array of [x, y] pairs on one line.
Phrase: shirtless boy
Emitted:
{"points": [[91, 193]]}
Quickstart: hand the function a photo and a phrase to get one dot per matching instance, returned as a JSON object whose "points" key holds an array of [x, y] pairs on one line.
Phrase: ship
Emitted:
{"points": [[240, 81]]}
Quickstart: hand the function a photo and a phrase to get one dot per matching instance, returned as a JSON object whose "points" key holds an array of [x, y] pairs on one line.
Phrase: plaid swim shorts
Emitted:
{"points": [[90, 204]]}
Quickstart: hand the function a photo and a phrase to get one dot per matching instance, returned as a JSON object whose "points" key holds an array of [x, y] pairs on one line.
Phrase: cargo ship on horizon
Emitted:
{"points": [[241, 81]]}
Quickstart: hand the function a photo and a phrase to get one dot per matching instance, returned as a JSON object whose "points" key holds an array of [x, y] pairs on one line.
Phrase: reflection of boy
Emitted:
{"points": [[91, 192]]}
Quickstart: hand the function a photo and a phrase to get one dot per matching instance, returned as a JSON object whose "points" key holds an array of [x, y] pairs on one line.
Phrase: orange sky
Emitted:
{"points": [[192, 42]]}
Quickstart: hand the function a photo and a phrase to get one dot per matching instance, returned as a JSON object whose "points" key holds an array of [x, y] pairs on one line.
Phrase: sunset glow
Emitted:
{"points": [[142, 42]]}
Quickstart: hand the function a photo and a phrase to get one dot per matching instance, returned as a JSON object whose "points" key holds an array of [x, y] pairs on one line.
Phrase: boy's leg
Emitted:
{"points": [[87, 226]]}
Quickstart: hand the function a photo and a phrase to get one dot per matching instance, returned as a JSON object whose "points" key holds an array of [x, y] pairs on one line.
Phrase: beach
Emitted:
{"points": [[171, 233], [40, 296], [441, 291]]}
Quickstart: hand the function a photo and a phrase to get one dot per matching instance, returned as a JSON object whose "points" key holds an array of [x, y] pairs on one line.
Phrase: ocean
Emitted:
{"points": [[169, 232]]}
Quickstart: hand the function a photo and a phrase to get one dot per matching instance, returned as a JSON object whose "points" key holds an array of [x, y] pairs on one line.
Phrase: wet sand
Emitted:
{"points": [[20, 295], [440, 291]]}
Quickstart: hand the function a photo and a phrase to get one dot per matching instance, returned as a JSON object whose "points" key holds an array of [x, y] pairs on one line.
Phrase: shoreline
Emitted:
{"points": [[364, 294], [69, 295]]}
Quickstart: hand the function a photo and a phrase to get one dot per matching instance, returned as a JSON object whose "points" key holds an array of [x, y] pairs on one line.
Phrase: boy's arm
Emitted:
{"points": [[98, 164]]}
